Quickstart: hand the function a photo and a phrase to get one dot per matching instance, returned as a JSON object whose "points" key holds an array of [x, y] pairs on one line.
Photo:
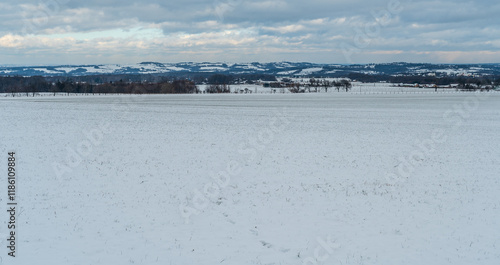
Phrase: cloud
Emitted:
{"points": [[113, 31]]}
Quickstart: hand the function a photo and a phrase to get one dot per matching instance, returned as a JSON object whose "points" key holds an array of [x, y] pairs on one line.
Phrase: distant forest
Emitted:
{"points": [[125, 84], [33, 85], [217, 83], [425, 80]]}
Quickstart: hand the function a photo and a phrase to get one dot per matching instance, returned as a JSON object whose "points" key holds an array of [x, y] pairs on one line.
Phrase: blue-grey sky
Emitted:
{"points": [[44, 32]]}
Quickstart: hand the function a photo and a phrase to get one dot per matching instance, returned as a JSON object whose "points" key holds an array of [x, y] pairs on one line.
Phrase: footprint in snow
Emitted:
{"points": [[265, 244]]}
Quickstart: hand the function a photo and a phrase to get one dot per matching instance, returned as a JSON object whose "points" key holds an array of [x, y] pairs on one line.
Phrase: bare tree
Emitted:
{"points": [[346, 84], [295, 88], [326, 84], [337, 85]]}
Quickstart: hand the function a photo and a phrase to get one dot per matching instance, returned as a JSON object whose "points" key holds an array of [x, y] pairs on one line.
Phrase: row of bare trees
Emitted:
{"points": [[218, 88], [484, 84], [33, 85], [314, 85]]}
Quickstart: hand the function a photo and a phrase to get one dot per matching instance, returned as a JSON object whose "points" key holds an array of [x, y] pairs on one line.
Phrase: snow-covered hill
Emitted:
{"points": [[277, 68]]}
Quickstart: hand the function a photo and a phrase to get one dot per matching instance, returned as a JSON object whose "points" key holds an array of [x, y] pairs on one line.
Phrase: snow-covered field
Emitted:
{"points": [[321, 178]]}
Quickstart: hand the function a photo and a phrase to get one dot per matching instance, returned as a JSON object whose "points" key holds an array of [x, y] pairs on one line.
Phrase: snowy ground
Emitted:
{"points": [[337, 178]]}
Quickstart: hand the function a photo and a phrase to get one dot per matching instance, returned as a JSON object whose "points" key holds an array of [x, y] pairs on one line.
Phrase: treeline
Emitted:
{"points": [[127, 84], [198, 78], [220, 83], [426, 80], [36, 84]]}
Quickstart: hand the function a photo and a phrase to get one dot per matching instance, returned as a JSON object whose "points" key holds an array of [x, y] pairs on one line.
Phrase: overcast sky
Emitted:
{"points": [[44, 32]]}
